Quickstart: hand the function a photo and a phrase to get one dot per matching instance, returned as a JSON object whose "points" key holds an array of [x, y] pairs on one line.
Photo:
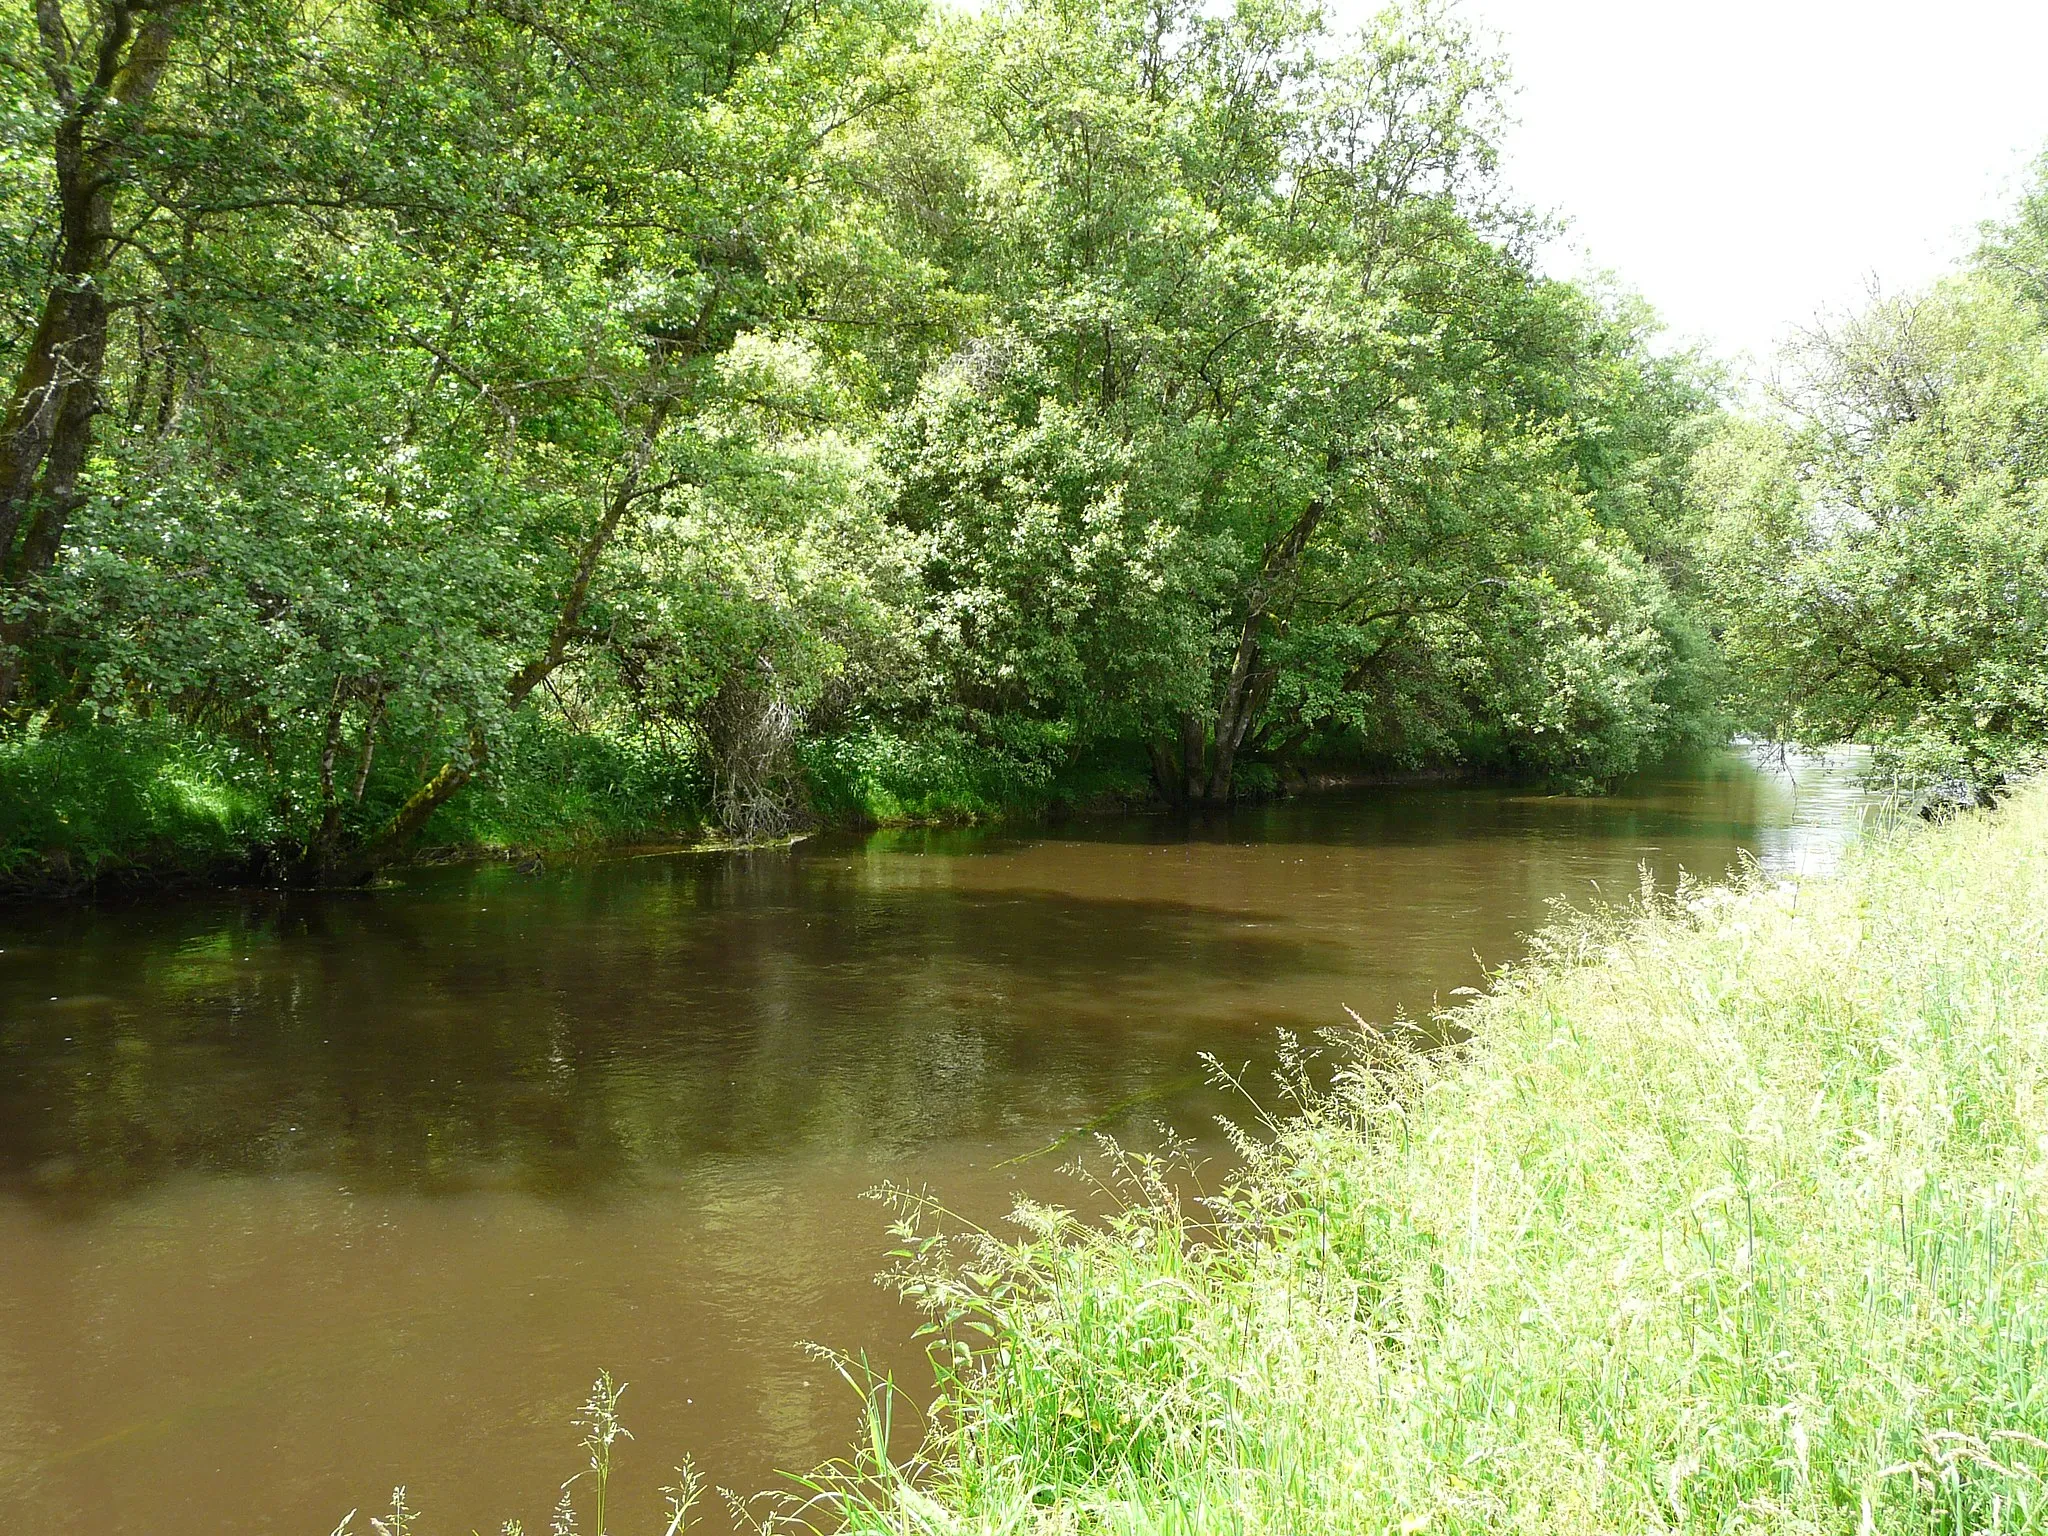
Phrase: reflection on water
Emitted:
{"points": [[304, 1197]]}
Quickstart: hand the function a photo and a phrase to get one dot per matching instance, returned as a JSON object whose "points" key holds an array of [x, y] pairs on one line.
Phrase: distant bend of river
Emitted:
{"points": [[302, 1197]]}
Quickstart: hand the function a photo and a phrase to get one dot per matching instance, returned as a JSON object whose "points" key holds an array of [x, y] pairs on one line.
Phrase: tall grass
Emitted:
{"points": [[554, 790], [598, 1418], [1730, 1216], [157, 799], [876, 777], [74, 804]]}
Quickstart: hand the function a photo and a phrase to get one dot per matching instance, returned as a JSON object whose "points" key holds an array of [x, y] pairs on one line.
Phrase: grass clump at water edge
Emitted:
{"points": [[1729, 1217]]}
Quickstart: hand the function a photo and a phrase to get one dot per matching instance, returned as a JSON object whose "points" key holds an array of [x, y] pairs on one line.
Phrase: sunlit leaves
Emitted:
{"points": [[1881, 550]]}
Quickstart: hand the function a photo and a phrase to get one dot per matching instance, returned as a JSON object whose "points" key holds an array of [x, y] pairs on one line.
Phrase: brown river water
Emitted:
{"points": [[304, 1197]]}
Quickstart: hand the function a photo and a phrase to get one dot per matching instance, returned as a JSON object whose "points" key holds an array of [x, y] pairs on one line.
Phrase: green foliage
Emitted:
{"points": [[1725, 1218], [1880, 554], [83, 803], [1274, 437], [555, 790], [1047, 589], [875, 777], [144, 799], [880, 413]]}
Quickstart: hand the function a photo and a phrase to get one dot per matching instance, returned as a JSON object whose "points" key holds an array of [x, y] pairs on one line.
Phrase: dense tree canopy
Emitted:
{"points": [[843, 403], [1267, 400]]}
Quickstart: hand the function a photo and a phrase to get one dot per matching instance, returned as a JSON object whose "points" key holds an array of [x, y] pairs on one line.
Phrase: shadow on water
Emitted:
{"points": [[304, 1196]]}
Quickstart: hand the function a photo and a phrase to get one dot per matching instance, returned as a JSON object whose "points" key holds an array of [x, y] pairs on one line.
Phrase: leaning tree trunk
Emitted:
{"points": [[1234, 712], [329, 866], [1209, 748], [47, 430]]}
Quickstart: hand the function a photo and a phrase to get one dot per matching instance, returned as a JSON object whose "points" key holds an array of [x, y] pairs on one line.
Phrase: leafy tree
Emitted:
{"points": [[1078, 380], [1881, 549], [1266, 333], [409, 389]]}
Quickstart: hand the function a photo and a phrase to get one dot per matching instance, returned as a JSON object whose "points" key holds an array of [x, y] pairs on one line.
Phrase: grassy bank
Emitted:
{"points": [[154, 802], [131, 801], [136, 801], [1731, 1216]]}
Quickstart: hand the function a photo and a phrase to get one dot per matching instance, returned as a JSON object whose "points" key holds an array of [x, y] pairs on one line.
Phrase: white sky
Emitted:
{"points": [[1743, 163]]}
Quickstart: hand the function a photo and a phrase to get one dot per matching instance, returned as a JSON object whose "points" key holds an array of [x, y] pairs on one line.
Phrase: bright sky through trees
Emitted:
{"points": [[1745, 161]]}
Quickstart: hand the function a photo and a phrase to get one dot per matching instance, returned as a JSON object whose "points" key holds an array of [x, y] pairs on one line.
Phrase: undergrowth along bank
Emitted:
{"points": [[154, 802], [1730, 1216]]}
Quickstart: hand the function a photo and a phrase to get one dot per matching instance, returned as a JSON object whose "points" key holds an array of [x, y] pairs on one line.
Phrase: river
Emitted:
{"points": [[303, 1197]]}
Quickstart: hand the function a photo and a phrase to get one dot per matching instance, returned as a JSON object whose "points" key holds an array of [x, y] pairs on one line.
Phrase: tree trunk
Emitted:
{"points": [[1233, 712], [577, 598], [394, 840], [1246, 687], [1194, 751], [1167, 773], [320, 850], [46, 431], [320, 846]]}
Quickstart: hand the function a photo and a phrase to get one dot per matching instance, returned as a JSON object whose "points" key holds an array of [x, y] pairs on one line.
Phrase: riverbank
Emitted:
{"points": [[1728, 1217], [136, 807], [151, 805], [140, 805]]}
